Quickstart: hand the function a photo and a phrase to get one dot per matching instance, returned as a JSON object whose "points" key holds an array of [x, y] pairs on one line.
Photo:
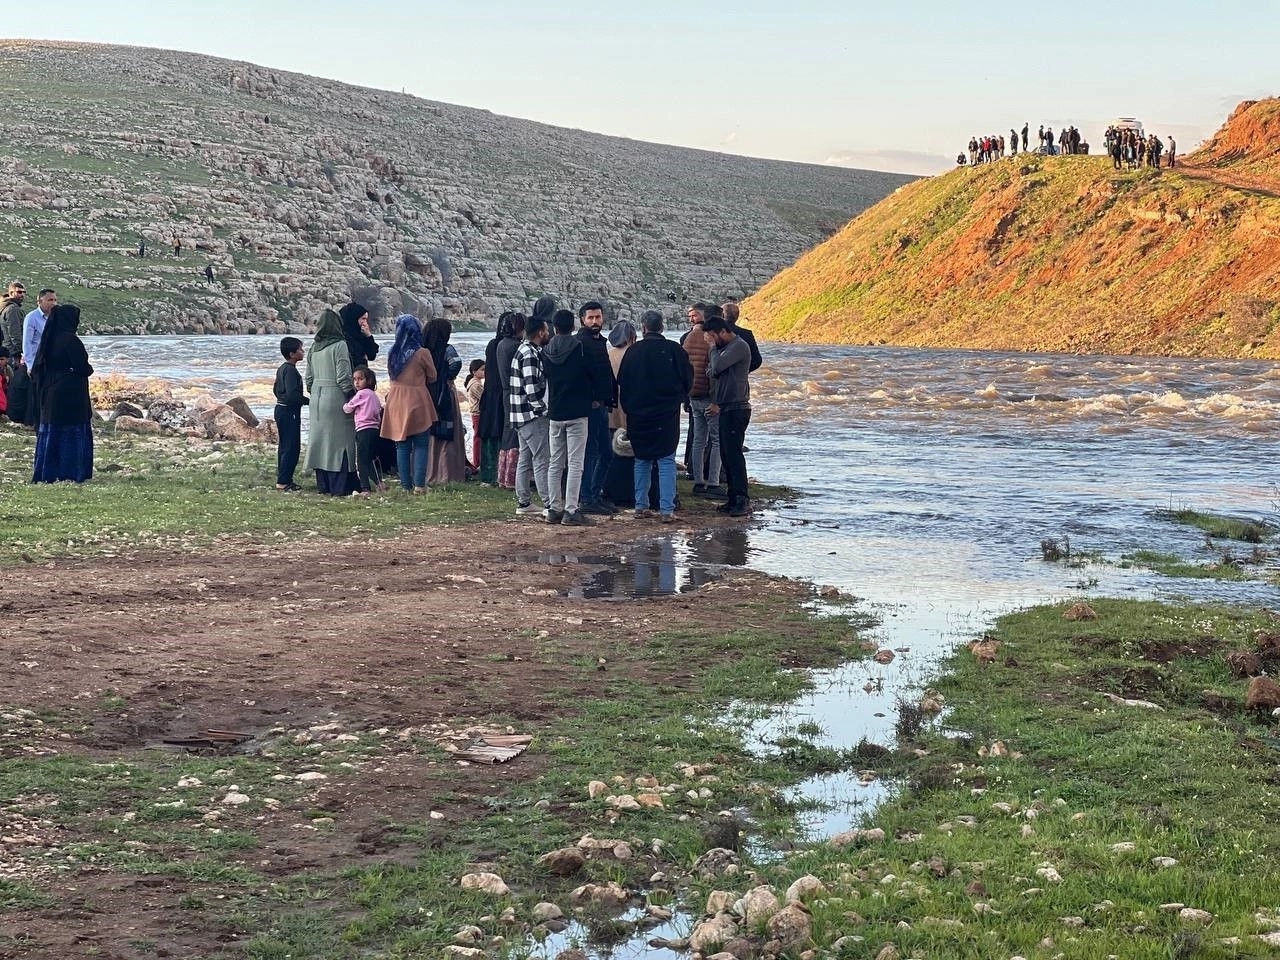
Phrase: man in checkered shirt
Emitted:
{"points": [[528, 402]]}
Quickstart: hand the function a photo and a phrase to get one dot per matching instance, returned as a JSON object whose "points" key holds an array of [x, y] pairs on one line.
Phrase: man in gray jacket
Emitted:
{"points": [[11, 317], [728, 366]]}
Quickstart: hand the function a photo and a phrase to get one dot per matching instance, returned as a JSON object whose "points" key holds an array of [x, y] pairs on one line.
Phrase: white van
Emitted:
{"points": [[1128, 123]]}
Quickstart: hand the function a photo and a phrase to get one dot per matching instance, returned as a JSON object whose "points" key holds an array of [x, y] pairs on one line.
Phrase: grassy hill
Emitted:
{"points": [[1057, 254]]}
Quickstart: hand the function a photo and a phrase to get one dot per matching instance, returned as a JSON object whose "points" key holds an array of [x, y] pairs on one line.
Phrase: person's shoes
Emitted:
{"points": [[668, 518], [419, 491], [608, 505], [740, 509], [699, 489], [288, 487], [724, 507], [713, 492], [527, 510], [597, 509], [641, 514], [554, 516], [577, 519]]}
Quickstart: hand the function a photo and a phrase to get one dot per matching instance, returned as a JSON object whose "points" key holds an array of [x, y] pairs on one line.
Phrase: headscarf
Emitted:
{"points": [[436, 334], [63, 321], [544, 308], [623, 332], [328, 330], [408, 340], [351, 315]]}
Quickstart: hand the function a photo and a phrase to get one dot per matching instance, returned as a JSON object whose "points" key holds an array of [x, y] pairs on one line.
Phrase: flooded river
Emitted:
{"points": [[929, 478]]}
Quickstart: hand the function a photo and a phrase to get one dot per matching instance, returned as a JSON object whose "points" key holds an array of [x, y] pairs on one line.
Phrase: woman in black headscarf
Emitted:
{"points": [[355, 330], [493, 413], [509, 448], [448, 440], [64, 438]]}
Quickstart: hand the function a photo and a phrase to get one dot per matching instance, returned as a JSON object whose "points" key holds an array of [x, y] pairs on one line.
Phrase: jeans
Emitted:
{"points": [[414, 448], [706, 433], [599, 454], [535, 456], [733, 434], [666, 483], [289, 427], [568, 448]]}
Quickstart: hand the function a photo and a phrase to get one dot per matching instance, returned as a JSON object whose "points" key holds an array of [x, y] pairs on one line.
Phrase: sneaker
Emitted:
{"points": [[597, 509], [554, 516], [577, 519], [712, 492], [642, 514], [740, 509], [668, 518], [724, 508], [527, 510], [699, 489]]}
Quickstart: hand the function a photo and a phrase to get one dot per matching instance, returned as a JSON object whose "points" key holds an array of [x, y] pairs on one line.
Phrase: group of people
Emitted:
{"points": [[44, 382], [1129, 149], [586, 423], [991, 148]]}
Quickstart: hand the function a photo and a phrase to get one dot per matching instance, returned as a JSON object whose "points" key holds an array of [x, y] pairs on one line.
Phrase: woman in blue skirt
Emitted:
{"points": [[64, 438]]}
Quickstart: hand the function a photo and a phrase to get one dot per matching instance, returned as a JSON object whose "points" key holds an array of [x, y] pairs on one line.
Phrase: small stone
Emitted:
{"points": [[191, 782], [310, 776], [468, 936], [883, 656], [1124, 847], [597, 789], [608, 894], [235, 799], [1164, 863], [805, 888], [758, 905], [651, 800], [1049, 873], [1073, 922], [564, 862], [464, 953], [791, 925], [888, 952], [544, 911], [719, 901], [624, 802], [1172, 907], [489, 883], [1192, 915], [1079, 611], [709, 935], [623, 851]]}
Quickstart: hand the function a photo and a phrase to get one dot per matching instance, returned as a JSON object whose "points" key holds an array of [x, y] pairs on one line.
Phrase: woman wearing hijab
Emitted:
{"points": [[64, 437], [409, 413], [493, 407], [448, 444], [355, 330], [620, 485], [331, 447], [509, 451]]}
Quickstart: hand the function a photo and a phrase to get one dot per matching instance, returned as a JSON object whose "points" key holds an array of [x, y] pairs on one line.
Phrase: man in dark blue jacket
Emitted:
{"points": [[599, 451], [574, 383]]}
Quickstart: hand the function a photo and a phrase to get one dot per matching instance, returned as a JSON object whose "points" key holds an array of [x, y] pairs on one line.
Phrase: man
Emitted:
{"points": [[528, 402], [573, 384], [11, 317], [728, 366], [599, 452], [703, 455], [654, 379], [33, 325], [1173, 151], [731, 313]]}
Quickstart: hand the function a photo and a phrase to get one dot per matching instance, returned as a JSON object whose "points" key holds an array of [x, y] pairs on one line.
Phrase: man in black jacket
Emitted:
{"points": [[573, 384], [655, 378], [599, 451]]}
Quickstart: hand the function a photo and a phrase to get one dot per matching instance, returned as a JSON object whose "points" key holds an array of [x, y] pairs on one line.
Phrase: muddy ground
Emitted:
{"points": [[454, 626]]}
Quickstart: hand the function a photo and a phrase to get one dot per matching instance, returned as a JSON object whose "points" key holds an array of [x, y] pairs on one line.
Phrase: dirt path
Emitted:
{"points": [[1248, 182], [440, 629]]}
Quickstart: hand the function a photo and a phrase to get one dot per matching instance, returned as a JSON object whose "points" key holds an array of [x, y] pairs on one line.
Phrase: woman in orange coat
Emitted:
{"points": [[409, 411]]}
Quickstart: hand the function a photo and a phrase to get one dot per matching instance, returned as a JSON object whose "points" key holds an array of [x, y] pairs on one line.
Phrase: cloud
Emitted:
{"points": [[730, 137], [895, 161]]}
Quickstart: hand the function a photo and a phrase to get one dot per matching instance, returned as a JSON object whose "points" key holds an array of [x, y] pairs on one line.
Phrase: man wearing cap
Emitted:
{"points": [[11, 317]]}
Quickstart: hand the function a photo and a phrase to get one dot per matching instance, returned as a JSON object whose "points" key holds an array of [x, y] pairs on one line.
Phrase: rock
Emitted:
{"points": [[849, 838], [1123, 702], [1164, 863], [191, 782], [716, 862], [650, 800], [1171, 907], [467, 953], [1244, 663], [311, 776], [1263, 694], [489, 883], [719, 901], [624, 802], [758, 905], [240, 407], [883, 656], [985, 649], [607, 894], [1079, 611], [709, 935], [791, 925], [1050, 873], [829, 593], [888, 952], [1270, 939], [234, 798], [544, 911], [564, 862], [623, 851], [805, 888], [468, 936], [126, 409], [976, 888], [572, 955], [131, 424], [1192, 915], [1125, 847], [932, 702], [741, 948], [597, 789]]}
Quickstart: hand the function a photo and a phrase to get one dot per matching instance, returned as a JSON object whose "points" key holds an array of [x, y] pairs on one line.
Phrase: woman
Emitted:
{"points": [[620, 484], [493, 408], [64, 438], [448, 446], [331, 447], [355, 330], [409, 412], [509, 451]]}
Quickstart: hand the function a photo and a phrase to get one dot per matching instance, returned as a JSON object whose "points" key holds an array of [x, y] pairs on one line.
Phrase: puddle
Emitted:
{"points": [[580, 936]]}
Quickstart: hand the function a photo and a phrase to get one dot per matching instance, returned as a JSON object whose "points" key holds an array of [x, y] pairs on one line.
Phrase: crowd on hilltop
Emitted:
{"points": [[575, 419], [1130, 149], [1126, 146]]}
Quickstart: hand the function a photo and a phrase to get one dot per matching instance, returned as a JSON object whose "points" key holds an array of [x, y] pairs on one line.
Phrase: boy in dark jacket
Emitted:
{"points": [[288, 413], [573, 384]]}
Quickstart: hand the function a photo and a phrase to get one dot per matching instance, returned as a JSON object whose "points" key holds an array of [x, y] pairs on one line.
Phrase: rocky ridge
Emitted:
{"points": [[301, 192]]}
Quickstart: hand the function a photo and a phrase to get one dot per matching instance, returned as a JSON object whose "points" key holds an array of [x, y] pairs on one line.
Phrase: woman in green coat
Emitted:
{"points": [[331, 448]]}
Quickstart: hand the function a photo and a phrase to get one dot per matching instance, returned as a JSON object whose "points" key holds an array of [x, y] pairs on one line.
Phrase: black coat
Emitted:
{"points": [[362, 347], [655, 378], [62, 382], [493, 412]]}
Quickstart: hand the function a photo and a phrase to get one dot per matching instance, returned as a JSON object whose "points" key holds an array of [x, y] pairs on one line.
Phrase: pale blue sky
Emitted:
{"points": [[892, 85]]}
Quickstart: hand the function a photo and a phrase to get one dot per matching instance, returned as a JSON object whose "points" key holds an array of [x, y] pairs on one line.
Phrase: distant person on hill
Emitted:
{"points": [[960, 160], [1173, 151], [654, 379], [142, 247], [1026, 139], [288, 413], [331, 447], [11, 317], [361, 347], [1013, 141], [572, 386], [177, 245], [595, 468], [728, 367], [64, 439], [208, 273], [474, 388]]}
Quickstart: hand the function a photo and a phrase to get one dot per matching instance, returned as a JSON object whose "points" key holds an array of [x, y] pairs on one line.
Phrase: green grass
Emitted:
{"points": [[1169, 565], [1221, 527]]}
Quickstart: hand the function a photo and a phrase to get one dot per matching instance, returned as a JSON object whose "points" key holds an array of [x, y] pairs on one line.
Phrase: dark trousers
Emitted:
{"points": [[733, 435], [366, 442], [598, 455], [289, 426]]}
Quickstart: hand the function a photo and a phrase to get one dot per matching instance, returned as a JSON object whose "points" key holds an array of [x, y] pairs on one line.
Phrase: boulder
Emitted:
{"points": [[126, 409], [564, 862], [1079, 611], [709, 935], [716, 862], [545, 911], [1263, 694], [758, 905], [242, 409], [608, 894], [791, 925], [805, 888], [1244, 663], [489, 883], [719, 901]]}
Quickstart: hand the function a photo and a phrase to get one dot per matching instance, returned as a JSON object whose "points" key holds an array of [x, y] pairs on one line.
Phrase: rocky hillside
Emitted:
{"points": [[1058, 254], [302, 192]]}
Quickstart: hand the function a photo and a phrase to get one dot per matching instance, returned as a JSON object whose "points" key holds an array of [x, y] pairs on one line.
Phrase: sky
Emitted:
{"points": [[895, 85]]}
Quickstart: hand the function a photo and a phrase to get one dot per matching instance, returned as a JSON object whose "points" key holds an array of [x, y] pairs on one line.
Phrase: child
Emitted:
{"points": [[368, 413], [288, 413], [4, 381], [474, 385]]}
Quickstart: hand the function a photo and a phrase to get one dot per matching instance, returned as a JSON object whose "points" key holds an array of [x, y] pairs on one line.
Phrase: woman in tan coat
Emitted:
{"points": [[409, 411]]}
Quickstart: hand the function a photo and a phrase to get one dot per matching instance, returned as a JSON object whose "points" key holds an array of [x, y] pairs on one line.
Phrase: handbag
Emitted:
{"points": [[622, 444]]}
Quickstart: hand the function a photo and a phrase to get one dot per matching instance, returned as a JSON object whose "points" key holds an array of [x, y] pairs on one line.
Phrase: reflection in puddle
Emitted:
{"points": [[660, 567], [579, 936]]}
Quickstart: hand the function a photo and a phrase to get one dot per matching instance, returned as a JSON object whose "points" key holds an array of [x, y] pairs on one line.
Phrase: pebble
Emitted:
{"points": [[311, 775], [235, 799]]}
